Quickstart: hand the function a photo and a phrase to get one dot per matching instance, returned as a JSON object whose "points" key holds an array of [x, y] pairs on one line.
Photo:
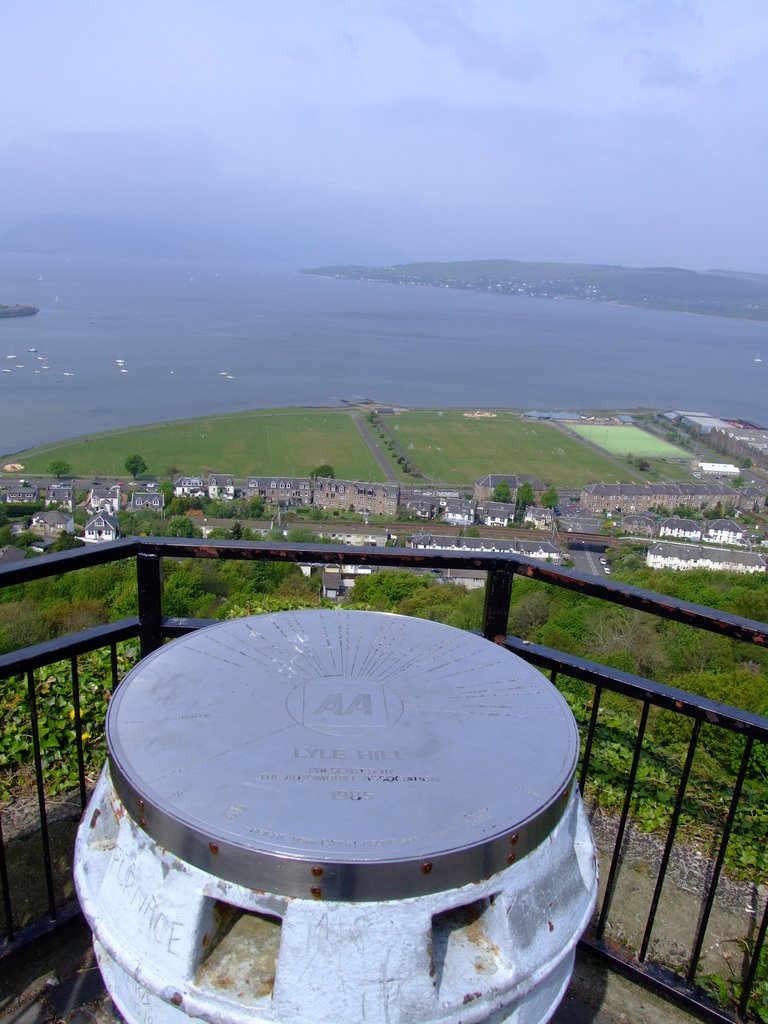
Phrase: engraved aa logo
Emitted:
{"points": [[343, 706]]}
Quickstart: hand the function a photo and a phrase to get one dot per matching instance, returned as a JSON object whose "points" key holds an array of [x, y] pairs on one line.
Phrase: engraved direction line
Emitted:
{"points": [[308, 646], [220, 753]]}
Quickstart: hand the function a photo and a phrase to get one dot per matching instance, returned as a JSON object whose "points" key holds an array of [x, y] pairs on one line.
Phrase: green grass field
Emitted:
{"points": [[288, 441], [625, 441], [451, 448]]}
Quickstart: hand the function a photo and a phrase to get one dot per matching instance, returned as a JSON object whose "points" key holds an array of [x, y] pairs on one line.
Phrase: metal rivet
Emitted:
{"points": [[566, 794], [511, 858], [141, 805], [514, 838], [426, 867], [214, 848], [177, 999], [95, 817], [316, 891], [317, 872], [142, 823]]}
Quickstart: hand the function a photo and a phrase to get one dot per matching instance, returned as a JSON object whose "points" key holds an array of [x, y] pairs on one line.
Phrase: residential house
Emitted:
{"points": [[22, 493], [101, 528], [189, 487], [496, 513], [62, 495], [332, 582], [424, 508], [104, 499], [353, 534], [541, 518], [540, 549], [221, 487], [9, 554], [752, 498], [280, 490], [694, 556], [638, 524], [484, 486], [53, 522], [725, 531], [459, 512], [152, 500], [643, 497], [681, 529], [357, 496]]}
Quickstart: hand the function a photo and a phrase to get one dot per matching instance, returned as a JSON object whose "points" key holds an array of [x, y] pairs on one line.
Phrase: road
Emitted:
{"points": [[586, 561], [378, 454]]}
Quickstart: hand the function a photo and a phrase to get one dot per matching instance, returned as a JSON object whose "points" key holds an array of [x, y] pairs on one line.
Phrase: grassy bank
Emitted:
{"points": [[280, 441]]}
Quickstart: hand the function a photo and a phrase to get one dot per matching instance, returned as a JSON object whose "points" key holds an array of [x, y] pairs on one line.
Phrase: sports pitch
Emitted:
{"points": [[450, 447], [628, 441]]}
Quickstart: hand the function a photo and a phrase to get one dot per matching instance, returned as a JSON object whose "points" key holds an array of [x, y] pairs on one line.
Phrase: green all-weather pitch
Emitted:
{"points": [[628, 441]]}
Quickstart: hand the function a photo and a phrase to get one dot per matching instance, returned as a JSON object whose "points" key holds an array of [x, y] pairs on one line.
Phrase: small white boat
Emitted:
{"points": [[11, 357], [758, 358], [19, 366], [65, 374], [122, 370], [5, 370]]}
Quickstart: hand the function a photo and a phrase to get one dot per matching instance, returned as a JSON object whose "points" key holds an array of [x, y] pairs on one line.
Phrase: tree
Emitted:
{"points": [[181, 526], [59, 468], [135, 464], [325, 469], [502, 492], [550, 497], [525, 497]]}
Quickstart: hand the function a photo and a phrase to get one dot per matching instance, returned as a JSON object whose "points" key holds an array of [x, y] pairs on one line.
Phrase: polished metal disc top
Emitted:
{"points": [[341, 755]]}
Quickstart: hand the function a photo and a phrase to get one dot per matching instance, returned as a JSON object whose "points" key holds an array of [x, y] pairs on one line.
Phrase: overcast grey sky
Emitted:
{"points": [[615, 131]]}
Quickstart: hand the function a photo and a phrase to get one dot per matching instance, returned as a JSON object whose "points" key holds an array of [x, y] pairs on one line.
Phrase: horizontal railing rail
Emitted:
{"points": [[150, 628]]}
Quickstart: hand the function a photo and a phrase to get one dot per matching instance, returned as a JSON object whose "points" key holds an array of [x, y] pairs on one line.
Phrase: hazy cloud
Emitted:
{"points": [[609, 130]]}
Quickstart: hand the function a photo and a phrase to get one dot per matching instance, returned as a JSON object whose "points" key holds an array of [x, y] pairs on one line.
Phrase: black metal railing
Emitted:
{"points": [[620, 766]]}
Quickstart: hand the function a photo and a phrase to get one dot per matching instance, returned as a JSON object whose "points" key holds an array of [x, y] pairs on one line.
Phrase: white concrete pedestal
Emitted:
{"points": [[353, 920]]}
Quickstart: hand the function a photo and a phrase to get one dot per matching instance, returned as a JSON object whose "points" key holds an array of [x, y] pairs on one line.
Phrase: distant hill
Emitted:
{"points": [[116, 236], [712, 293]]}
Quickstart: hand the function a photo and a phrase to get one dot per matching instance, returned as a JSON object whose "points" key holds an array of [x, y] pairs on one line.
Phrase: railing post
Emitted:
{"points": [[498, 591], [149, 571]]}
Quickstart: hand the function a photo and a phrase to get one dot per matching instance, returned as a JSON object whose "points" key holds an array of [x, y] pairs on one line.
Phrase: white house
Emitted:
{"points": [[694, 556], [725, 531], [189, 487], [101, 528], [496, 513], [104, 499], [682, 529], [459, 512], [541, 549], [221, 487]]}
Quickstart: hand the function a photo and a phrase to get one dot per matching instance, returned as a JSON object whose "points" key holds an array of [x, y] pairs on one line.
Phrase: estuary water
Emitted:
{"points": [[123, 342]]}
